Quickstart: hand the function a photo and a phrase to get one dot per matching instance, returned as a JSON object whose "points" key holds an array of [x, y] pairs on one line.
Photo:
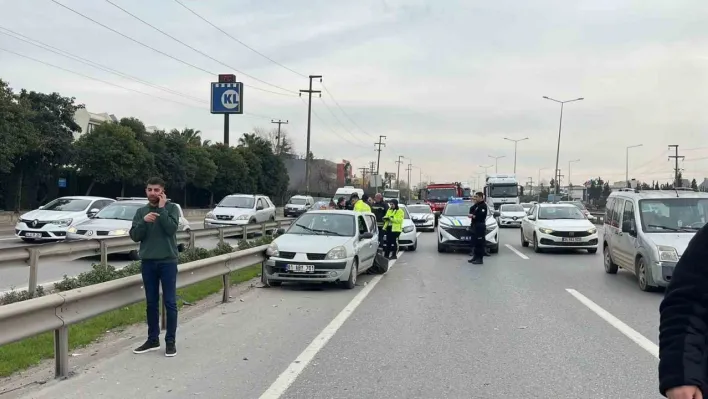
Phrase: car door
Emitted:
{"points": [[366, 248], [261, 210], [270, 207], [614, 229], [626, 243], [529, 224]]}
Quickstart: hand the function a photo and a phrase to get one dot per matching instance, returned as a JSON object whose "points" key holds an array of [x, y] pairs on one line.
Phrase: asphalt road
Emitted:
{"points": [[434, 326]]}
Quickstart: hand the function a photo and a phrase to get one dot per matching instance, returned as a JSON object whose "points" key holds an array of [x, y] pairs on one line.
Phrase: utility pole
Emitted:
{"points": [[410, 167], [277, 145], [676, 158], [398, 173], [372, 171], [379, 144], [363, 176], [309, 121], [558, 181], [530, 183]]}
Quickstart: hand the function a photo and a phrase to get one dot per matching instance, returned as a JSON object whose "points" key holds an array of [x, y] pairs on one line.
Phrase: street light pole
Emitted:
{"points": [[485, 167], [515, 143], [496, 162], [560, 126], [626, 168]]}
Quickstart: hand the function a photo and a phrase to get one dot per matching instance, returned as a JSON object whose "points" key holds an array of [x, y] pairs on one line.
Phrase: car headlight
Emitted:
{"points": [[408, 229], [429, 216], [209, 216], [545, 230], [72, 230], [592, 231], [667, 254], [243, 217], [119, 232], [272, 249], [63, 223], [336, 253]]}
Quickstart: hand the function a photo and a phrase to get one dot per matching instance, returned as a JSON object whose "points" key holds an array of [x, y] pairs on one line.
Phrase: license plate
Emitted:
{"points": [[33, 235], [301, 268], [571, 239], [466, 238]]}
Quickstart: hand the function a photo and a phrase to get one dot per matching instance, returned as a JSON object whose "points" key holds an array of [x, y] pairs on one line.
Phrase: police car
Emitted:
{"points": [[453, 227]]}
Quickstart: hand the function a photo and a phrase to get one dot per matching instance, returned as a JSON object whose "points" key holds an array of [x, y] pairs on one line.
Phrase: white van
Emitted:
{"points": [[298, 205], [390, 194], [347, 192]]}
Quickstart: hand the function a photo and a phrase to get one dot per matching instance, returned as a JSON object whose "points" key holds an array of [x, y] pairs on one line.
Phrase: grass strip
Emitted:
{"points": [[29, 352]]}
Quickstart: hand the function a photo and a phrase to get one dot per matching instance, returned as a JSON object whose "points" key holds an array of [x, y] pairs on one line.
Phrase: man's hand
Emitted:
{"points": [[163, 200], [150, 217], [684, 392]]}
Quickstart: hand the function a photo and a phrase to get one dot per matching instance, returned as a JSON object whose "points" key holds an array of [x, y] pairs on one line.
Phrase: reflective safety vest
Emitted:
{"points": [[361, 206], [394, 218]]}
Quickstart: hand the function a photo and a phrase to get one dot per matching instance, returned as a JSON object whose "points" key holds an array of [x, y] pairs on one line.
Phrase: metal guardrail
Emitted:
{"points": [[79, 249], [56, 312]]}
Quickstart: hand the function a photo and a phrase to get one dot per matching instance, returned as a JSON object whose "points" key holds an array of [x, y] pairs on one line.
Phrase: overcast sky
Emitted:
{"points": [[444, 80]]}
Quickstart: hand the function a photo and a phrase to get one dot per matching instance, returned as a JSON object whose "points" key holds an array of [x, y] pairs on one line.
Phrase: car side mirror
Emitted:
{"points": [[627, 227], [280, 231], [532, 217], [180, 248], [93, 212], [367, 235], [497, 214], [41, 207], [259, 208]]}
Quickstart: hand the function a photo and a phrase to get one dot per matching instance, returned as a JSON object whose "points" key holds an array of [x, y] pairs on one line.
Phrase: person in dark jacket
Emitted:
{"points": [[683, 332], [379, 209], [341, 203], [478, 216]]}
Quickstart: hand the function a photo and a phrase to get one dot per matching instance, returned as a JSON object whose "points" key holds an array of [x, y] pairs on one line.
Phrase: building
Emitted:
{"points": [[88, 120], [323, 175]]}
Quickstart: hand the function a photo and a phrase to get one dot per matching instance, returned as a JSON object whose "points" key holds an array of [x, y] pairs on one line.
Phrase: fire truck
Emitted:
{"points": [[437, 195]]}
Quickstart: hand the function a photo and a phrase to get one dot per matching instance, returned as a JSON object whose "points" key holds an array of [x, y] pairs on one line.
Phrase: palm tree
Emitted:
{"points": [[251, 140], [191, 136]]}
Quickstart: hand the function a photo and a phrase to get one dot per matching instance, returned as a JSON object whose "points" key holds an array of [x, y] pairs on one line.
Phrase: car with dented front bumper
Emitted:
{"points": [[454, 232]]}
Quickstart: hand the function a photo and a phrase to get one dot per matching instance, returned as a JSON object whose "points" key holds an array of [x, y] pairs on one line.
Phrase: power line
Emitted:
{"points": [[344, 112], [195, 49], [85, 61], [334, 132], [153, 48], [339, 121], [237, 40]]}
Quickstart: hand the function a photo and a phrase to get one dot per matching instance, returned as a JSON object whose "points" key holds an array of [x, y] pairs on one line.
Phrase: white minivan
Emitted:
{"points": [[347, 192], [298, 205]]}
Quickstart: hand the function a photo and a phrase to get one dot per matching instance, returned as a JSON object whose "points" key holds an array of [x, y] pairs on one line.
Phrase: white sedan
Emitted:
{"points": [[558, 226], [422, 216], [408, 240]]}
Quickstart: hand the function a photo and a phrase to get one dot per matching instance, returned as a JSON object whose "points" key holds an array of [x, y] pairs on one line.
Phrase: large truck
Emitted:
{"points": [[466, 191], [437, 195], [501, 189]]}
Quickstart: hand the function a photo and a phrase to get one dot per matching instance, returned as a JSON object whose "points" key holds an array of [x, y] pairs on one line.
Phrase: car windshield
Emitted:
{"points": [[466, 192], [420, 209], [441, 194], [512, 208], [578, 205], [673, 214], [526, 206], [297, 201], [67, 205], [237, 202], [559, 212], [458, 209], [328, 224], [119, 211], [504, 191], [406, 215], [390, 193]]}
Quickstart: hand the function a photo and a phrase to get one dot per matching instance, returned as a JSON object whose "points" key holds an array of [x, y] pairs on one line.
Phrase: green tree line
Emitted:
{"points": [[38, 148]]}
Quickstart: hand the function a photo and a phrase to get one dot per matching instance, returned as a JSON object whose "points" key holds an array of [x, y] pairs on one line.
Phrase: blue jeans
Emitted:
{"points": [[154, 273]]}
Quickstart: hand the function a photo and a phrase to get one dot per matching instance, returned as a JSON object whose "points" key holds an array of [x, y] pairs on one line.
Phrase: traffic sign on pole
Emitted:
{"points": [[227, 98]]}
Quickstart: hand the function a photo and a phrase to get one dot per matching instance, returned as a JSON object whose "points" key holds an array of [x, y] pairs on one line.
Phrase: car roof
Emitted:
{"points": [[85, 197], [658, 194], [340, 212], [560, 204], [300, 196]]}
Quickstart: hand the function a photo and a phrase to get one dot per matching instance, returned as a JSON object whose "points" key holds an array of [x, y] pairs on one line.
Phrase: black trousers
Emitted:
{"points": [[382, 237], [391, 245], [478, 240]]}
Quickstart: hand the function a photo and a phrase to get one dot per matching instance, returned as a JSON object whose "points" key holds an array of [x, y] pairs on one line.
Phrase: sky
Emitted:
{"points": [[445, 81]]}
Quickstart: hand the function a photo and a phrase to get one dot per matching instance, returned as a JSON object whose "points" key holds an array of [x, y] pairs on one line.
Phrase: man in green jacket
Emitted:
{"points": [[155, 228]]}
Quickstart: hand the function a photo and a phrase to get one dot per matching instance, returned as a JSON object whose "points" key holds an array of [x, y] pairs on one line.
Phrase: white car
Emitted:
{"points": [[558, 226], [51, 221], [408, 240], [240, 209], [333, 246], [454, 228], [511, 215], [422, 216], [298, 205]]}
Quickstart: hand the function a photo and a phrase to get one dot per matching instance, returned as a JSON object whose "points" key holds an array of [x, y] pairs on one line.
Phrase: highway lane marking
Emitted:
{"points": [[628, 331], [287, 377], [516, 251]]}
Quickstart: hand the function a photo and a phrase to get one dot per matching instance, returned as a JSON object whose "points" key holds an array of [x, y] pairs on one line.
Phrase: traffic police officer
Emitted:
{"points": [[478, 216]]}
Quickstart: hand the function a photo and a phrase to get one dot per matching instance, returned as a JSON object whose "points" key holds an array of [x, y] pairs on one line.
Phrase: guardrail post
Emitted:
{"points": [[244, 230], [263, 230], [192, 239], [104, 253], [61, 352], [226, 278], [221, 236], [34, 265]]}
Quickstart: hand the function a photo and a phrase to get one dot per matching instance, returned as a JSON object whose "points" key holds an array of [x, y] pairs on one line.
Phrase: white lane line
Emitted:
{"points": [[628, 331], [516, 251], [287, 377]]}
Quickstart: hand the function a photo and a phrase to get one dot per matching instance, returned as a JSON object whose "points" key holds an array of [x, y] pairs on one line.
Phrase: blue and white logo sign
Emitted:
{"points": [[227, 98]]}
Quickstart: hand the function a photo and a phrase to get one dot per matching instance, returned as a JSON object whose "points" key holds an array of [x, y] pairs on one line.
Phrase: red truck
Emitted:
{"points": [[437, 195]]}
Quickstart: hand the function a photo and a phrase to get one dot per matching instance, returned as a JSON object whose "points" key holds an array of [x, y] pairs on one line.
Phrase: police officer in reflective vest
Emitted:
{"points": [[478, 216]]}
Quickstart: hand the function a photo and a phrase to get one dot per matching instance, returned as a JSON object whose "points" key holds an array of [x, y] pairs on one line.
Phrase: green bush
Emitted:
{"points": [[265, 240], [19, 296]]}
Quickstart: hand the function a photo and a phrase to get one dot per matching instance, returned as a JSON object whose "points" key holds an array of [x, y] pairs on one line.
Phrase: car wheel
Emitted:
{"points": [[134, 255], [414, 246], [535, 244], [353, 274], [643, 276], [524, 243], [494, 249], [592, 250], [610, 266], [264, 278], [441, 248]]}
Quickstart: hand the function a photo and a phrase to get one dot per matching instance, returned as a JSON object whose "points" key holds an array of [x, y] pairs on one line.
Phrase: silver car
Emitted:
{"points": [[333, 246], [115, 220], [647, 232]]}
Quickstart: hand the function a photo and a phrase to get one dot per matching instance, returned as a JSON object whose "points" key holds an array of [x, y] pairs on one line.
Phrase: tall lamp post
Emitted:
{"points": [[560, 126], [515, 143], [626, 168], [496, 162]]}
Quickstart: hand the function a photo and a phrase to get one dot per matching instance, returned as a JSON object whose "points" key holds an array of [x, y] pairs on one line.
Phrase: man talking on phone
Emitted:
{"points": [[155, 228]]}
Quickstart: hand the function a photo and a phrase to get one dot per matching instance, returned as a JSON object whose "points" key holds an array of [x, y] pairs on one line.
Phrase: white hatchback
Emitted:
{"points": [[51, 221], [558, 226], [240, 209]]}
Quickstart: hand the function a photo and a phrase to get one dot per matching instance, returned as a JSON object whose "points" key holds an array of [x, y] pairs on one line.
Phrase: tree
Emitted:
{"points": [[201, 169], [646, 186], [606, 191], [111, 152], [282, 145], [552, 183], [694, 185], [190, 136], [679, 180], [232, 171], [521, 191], [137, 126]]}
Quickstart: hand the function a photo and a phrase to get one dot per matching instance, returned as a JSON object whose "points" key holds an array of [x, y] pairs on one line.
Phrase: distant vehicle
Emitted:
{"points": [[390, 194], [527, 206], [437, 195], [453, 228], [297, 205], [647, 232], [347, 192], [511, 215], [319, 205], [466, 191], [240, 209], [581, 207], [408, 240], [558, 226], [422, 216], [502, 189], [324, 246], [115, 220], [51, 221]]}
